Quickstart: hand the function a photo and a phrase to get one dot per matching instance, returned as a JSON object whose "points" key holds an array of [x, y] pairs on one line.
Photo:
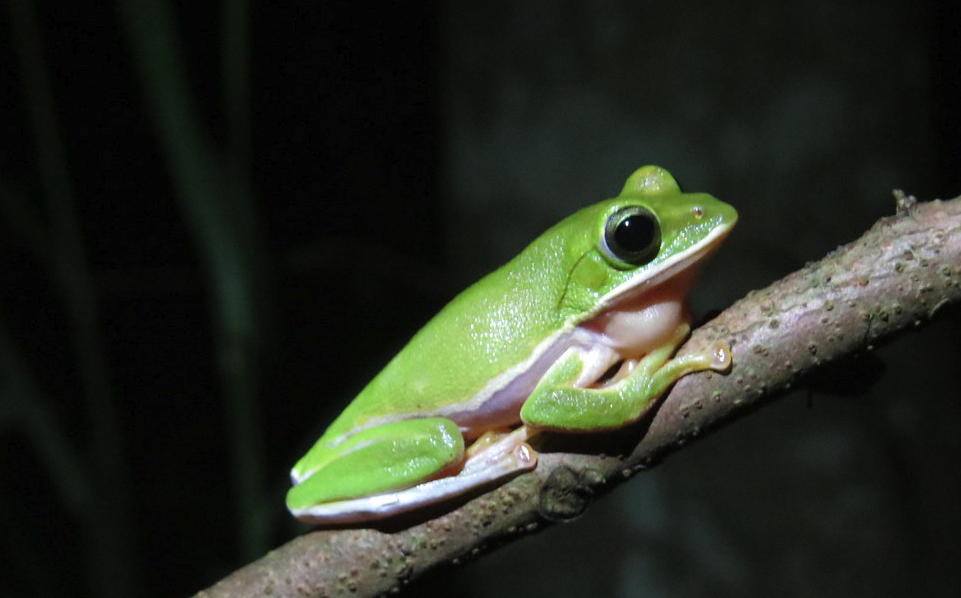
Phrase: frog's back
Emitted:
{"points": [[484, 331]]}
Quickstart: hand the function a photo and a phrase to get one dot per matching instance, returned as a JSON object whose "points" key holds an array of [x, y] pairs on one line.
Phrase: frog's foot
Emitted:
{"points": [[500, 456], [500, 445]]}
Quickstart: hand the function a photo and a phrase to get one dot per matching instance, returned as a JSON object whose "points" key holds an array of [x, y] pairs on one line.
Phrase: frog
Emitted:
{"points": [[578, 333]]}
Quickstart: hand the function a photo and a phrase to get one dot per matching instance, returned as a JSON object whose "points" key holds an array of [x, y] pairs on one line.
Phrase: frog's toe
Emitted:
{"points": [[721, 356]]}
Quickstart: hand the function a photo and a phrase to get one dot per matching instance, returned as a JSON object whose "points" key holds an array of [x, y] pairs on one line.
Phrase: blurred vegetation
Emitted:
{"points": [[147, 262], [215, 198]]}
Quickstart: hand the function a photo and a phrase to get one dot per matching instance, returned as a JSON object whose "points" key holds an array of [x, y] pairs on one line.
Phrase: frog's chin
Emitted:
{"points": [[643, 321]]}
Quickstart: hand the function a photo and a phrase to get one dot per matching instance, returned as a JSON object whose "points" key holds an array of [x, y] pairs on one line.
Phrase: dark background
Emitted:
{"points": [[198, 269]]}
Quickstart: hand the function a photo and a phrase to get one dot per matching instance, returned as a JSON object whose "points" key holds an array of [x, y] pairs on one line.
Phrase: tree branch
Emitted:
{"points": [[896, 276]]}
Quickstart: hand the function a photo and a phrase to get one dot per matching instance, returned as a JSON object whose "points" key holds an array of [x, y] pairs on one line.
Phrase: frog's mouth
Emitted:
{"points": [[677, 272]]}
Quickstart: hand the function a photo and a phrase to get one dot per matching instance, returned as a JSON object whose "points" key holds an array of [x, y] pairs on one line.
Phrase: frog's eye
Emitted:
{"points": [[632, 235]]}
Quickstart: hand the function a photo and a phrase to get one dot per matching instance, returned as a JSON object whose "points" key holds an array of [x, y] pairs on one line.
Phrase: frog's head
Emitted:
{"points": [[642, 247]]}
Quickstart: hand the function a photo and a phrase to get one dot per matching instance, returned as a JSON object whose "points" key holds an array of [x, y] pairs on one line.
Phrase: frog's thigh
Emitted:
{"points": [[385, 458]]}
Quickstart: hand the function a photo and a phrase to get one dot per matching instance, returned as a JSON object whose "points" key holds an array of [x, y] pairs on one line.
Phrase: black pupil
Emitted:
{"points": [[635, 233]]}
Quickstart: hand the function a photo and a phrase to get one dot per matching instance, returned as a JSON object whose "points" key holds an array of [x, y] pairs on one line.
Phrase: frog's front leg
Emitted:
{"points": [[556, 404], [398, 467]]}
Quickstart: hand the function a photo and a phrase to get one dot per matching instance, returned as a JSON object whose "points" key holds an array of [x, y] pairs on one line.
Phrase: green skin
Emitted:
{"points": [[398, 433]]}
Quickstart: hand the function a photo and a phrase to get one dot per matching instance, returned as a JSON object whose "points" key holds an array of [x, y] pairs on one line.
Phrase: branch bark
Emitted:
{"points": [[897, 276]]}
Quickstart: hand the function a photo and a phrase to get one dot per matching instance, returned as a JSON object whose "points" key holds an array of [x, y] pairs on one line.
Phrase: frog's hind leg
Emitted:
{"points": [[375, 460], [404, 465], [499, 458]]}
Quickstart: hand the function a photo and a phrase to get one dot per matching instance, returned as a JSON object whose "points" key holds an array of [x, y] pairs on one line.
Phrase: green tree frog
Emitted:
{"points": [[576, 334]]}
